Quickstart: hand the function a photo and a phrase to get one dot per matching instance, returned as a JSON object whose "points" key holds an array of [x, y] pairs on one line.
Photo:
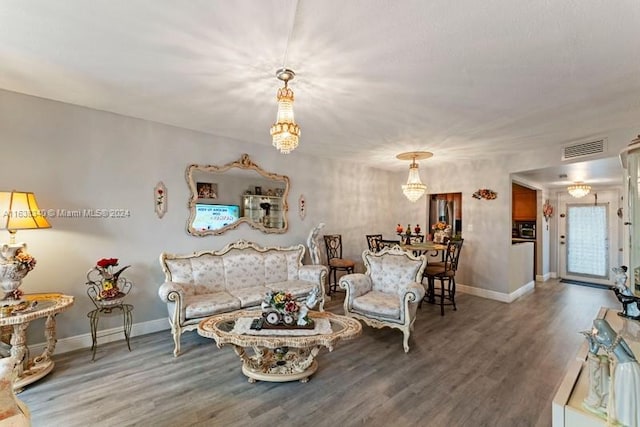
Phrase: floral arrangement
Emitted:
{"points": [[485, 193], [284, 302], [109, 278], [547, 210], [439, 226], [24, 260]]}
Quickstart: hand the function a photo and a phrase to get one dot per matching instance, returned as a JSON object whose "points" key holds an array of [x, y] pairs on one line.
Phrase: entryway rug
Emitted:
{"points": [[589, 284]]}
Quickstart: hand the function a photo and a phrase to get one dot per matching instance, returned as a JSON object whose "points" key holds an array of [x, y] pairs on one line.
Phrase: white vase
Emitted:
{"points": [[438, 236]]}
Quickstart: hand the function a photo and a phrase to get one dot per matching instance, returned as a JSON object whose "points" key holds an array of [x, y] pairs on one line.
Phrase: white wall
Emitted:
{"points": [[75, 158]]}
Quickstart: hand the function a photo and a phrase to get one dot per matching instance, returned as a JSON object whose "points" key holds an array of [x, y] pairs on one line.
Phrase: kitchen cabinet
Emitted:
{"points": [[523, 203]]}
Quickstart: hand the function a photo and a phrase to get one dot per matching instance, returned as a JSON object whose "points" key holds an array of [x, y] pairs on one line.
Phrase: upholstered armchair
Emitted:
{"points": [[388, 293]]}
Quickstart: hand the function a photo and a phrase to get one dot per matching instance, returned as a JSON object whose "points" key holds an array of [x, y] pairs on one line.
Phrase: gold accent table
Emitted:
{"points": [[278, 358], [32, 369]]}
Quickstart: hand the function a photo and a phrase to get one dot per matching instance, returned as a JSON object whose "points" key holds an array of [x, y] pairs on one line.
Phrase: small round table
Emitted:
{"points": [[28, 370], [94, 316]]}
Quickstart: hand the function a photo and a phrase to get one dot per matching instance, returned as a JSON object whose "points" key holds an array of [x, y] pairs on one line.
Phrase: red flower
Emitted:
{"points": [[291, 307], [107, 262]]}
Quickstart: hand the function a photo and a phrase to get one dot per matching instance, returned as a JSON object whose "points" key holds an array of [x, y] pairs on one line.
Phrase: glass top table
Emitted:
{"points": [[46, 305]]}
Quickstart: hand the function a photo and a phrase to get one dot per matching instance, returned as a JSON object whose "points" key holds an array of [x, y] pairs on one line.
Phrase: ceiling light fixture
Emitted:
{"points": [[285, 132], [579, 189], [414, 188]]}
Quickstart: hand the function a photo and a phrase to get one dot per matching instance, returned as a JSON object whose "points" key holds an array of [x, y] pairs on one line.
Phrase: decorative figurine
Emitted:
{"points": [[599, 377], [399, 229], [408, 232], [417, 229], [624, 395], [630, 302], [314, 245], [309, 303]]}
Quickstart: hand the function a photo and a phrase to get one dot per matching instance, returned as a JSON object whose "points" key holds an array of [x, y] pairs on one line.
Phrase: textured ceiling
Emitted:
{"points": [[463, 79]]}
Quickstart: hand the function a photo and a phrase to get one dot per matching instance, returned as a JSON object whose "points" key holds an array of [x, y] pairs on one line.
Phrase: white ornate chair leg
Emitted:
{"points": [[405, 342], [176, 332]]}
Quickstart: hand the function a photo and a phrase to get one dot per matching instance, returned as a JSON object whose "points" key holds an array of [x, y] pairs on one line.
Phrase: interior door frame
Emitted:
{"points": [[611, 198]]}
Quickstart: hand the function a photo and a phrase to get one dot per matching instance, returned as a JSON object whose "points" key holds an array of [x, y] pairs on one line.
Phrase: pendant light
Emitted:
{"points": [[414, 188], [285, 132], [579, 189]]}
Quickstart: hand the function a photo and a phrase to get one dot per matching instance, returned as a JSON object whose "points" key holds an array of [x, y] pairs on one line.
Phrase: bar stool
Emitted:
{"points": [[333, 242], [446, 272]]}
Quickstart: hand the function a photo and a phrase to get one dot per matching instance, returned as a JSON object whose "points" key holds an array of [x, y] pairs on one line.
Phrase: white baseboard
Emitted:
{"points": [[498, 296], [553, 275], [544, 277], [77, 342]]}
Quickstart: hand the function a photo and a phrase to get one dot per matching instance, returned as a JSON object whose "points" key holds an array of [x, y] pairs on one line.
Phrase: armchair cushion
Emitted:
{"points": [[378, 304], [391, 272]]}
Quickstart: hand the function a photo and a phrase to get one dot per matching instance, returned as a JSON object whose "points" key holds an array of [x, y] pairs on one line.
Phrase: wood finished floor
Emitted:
{"points": [[488, 364]]}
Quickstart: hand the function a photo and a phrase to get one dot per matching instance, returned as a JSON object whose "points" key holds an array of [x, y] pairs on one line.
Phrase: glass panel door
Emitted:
{"points": [[587, 241]]}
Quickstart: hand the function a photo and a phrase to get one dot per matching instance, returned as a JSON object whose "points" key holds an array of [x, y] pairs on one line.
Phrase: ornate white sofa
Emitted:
{"points": [[236, 277], [388, 293]]}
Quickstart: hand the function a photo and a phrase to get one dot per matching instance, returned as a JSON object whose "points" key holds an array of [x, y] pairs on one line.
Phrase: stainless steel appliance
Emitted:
{"points": [[443, 210], [526, 229]]}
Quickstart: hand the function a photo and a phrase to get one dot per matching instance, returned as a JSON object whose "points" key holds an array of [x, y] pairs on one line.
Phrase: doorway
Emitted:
{"points": [[587, 237]]}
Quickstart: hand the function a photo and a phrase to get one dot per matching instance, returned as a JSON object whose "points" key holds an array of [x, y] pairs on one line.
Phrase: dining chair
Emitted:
{"points": [[416, 238], [445, 272], [333, 242], [383, 243], [372, 241]]}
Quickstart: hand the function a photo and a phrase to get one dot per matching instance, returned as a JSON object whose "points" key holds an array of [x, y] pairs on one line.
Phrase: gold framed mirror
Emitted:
{"points": [[223, 197]]}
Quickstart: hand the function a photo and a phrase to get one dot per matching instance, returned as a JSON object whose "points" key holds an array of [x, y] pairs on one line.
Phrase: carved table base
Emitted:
{"points": [[280, 364]]}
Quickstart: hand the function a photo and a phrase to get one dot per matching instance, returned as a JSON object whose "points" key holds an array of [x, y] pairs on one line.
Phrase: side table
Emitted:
{"points": [[94, 316], [28, 370]]}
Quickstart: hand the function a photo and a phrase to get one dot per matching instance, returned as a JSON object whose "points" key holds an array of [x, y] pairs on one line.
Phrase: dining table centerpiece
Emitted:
{"points": [[107, 287], [281, 309], [440, 230]]}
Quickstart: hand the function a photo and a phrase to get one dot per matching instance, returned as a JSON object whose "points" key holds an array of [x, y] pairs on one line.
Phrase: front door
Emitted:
{"points": [[588, 237]]}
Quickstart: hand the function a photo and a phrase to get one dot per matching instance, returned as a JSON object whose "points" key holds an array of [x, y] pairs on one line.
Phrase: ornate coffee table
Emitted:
{"points": [[277, 355]]}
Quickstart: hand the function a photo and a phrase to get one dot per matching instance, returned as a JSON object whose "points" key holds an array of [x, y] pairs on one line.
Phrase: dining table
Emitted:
{"points": [[424, 248]]}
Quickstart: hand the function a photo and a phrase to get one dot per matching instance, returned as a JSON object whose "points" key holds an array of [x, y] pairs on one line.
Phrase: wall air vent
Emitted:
{"points": [[584, 149]]}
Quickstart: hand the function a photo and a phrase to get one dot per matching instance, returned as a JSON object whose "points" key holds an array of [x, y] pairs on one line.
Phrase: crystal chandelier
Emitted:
{"points": [[414, 188], [285, 132], [578, 189]]}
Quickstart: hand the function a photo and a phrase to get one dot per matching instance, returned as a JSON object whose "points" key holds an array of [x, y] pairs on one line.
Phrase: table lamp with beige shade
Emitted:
{"points": [[18, 211]]}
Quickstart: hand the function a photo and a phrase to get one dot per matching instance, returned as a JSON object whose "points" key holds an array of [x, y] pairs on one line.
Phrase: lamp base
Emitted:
{"points": [[11, 275]]}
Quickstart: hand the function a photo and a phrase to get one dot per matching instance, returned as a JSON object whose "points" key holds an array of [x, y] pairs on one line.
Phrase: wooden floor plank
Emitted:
{"points": [[487, 364]]}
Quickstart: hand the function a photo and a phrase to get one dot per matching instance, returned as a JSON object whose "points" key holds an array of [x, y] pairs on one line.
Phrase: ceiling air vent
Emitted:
{"points": [[584, 149]]}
